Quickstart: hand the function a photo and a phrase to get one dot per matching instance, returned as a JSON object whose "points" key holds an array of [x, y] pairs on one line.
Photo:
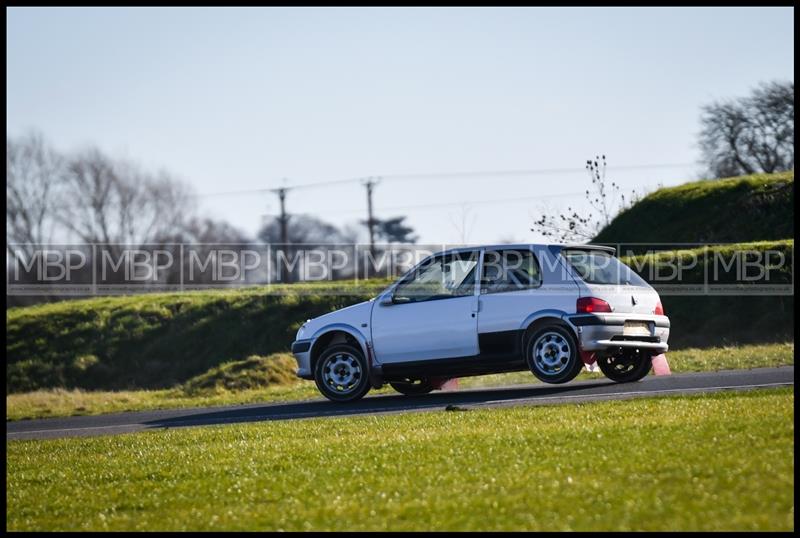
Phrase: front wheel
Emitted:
{"points": [[626, 366], [341, 373], [413, 388]]}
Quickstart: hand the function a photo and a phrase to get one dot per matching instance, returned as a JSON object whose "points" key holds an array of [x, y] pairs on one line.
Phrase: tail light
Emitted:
{"points": [[659, 310], [588, 305]]}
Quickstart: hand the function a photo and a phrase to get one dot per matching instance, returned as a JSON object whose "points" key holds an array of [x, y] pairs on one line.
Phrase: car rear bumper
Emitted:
{"points": [[608, 331]]}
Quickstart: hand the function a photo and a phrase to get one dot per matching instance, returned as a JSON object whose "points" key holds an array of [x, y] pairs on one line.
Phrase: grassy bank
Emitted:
{"points": [[746, 208], [160, 340], [261, 380], [678, 463], [738, 316]]}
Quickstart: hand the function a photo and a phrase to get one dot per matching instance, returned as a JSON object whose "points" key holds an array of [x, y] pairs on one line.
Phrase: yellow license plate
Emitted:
{"points": [[636, 328]]}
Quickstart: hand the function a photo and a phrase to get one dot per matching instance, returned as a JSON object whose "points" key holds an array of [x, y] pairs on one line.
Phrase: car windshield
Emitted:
{"points": [[598, 267]]}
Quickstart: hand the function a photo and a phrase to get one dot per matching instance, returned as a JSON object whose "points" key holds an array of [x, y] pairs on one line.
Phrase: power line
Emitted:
{"points": [[523, 172], [370, 183], [286, 187], [443, 175], [470, 203], [482, 202]]}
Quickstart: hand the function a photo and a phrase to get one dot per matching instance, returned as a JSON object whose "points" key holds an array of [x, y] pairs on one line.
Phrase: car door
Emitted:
{"points": [[515, 284], [430, 313]]}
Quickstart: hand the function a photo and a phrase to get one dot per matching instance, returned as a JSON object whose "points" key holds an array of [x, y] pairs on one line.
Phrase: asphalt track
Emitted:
{"points": [[538, 394]]}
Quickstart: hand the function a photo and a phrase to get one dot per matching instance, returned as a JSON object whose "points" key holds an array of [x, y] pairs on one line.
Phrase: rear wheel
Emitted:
{"points": [[413, 388], [626, 366], [341, 373], [552, 354]]}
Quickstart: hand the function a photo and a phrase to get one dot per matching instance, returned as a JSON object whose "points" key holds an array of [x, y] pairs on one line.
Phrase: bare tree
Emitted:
{"points": [[203, 235], [34, 174], [307, 233], [119, 204], [750, 134], [90, 198], [463, 224], [304, 230], [205, 230], [605, 199], [115, 202]]}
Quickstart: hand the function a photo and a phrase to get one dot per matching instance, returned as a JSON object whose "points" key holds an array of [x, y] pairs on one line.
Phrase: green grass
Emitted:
{"points": [[747, 208], [252, 380], [271, 379], [65, 403], [731, 358], [714, 462], [160, 340]]}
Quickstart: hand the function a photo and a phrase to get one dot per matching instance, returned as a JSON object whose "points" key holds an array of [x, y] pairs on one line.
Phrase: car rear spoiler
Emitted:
{"points": [[555, 249]]}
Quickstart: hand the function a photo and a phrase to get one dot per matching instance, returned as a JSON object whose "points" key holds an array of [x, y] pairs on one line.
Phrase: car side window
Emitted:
{"points": [[509, 270], [441, 277]]}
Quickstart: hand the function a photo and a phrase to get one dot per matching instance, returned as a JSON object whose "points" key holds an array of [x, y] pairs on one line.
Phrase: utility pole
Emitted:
{"points": [[369, 184], [284, 220]]}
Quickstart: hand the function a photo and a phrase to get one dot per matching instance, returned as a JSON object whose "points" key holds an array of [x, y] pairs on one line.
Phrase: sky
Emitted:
{"points": [[240, 99]]}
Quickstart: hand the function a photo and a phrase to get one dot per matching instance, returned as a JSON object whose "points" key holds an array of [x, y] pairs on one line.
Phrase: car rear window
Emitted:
{"points": [[598, 267]]}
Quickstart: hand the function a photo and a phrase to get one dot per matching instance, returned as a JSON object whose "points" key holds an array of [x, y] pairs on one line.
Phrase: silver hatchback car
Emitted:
{"points": [[549, 309]]}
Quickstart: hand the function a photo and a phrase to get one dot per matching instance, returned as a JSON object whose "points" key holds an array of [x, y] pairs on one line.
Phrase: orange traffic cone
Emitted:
{"points": [[660, 365]]}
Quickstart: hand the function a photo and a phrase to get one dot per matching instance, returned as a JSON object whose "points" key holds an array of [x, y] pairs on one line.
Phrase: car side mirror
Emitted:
{"points": [[387, 300]]}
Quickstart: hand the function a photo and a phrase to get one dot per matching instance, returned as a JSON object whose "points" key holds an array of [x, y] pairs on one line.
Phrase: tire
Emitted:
{"points": [[342, 373], [627, 366], [423, 386], [552, 354]]}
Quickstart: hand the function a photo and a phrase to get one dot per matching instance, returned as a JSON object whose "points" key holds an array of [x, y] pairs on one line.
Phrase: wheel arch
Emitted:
{"points": [[334, 334], [544, 317]]}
